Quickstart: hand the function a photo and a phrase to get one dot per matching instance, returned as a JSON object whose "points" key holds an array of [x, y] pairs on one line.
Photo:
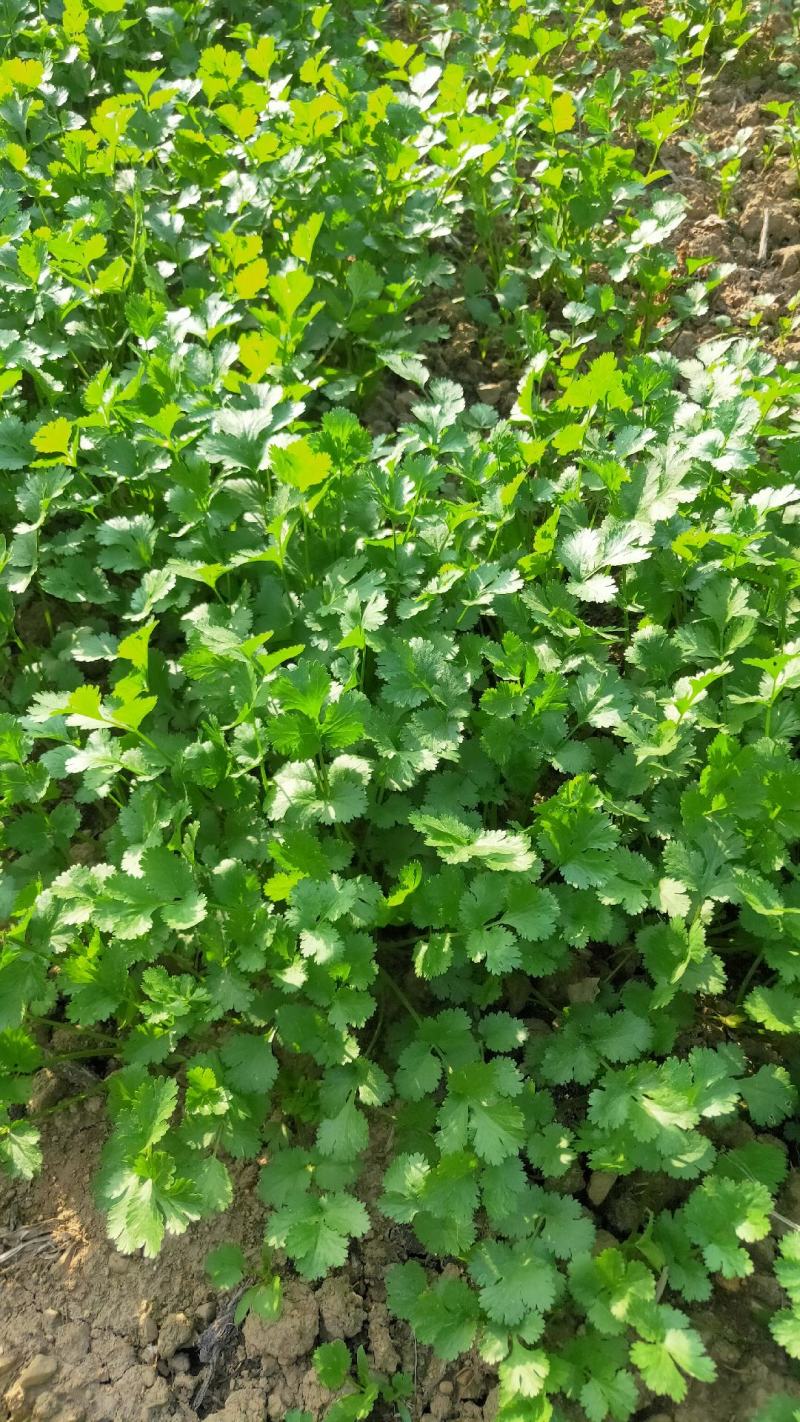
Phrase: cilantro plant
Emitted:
{"points": [[357, 1396], [428, 779]]}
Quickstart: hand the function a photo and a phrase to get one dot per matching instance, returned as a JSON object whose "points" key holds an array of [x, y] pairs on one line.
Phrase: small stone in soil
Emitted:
{"points": [[572, 1181], [73, 1342], [41, 1369], [789, 259], [491, 393], [766, 1288], [8, 1361], [148, 1329], [175, 1332], [601, 1182], [441, 1406], [491, 1405], [726, 1353], [584, 990], [604, 1240]]}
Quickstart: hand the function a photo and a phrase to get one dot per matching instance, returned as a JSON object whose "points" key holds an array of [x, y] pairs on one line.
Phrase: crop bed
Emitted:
{"points": [[400, 896]]}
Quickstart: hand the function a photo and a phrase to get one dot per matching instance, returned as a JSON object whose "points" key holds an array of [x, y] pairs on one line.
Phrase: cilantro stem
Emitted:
{"points": [[59, 1025], [84, 1054], [401, 997], [749, 975], [376, 1033], [65, 1103]]}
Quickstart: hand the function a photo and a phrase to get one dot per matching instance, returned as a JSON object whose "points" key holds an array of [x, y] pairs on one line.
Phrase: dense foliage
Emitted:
{"points": [[434, 786]]}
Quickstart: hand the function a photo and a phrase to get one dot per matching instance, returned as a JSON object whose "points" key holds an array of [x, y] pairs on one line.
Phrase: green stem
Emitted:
{"points": [[401, 997], [66, 1102], [748, 977]]}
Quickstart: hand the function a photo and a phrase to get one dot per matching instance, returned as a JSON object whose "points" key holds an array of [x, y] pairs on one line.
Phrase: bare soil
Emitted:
{"points": [[760, 231]]}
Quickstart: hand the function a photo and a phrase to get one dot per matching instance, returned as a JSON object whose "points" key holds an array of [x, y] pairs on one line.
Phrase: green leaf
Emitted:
{"points": [[787, 1268], [514, 1281], [345, 1135], [611, 1395], [249, 1063], [677, 1352], [332, 1364], [530, 911], [443, 1315], [457, 842], [226, 1266], [780, 1408], [15, 443], [720, 1213], [146, 1199], [264, 1300], [523, 1373], [20, 1151], [419, 1071], [299, 465], [316, 1231], [363, 282], [769, 1095], [407, 365]]}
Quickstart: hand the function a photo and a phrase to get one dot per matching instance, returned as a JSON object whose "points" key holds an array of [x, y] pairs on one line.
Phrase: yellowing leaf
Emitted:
{"points": [[569, 438], [111, 118], [144, 79], [397, 53], [289, 290], [219, 70], [241, 247], [279, 886], [20, 74], [316, 118], [112, 277], [251, 279], [305, 236], [261, 57], [562, 114], [8, 379], [265, 147], [315, 70], [602, 382], [241, 122], [257, 352], [53, 438], [300, 465], [15, 154], [133, 648], [74, 19]]}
